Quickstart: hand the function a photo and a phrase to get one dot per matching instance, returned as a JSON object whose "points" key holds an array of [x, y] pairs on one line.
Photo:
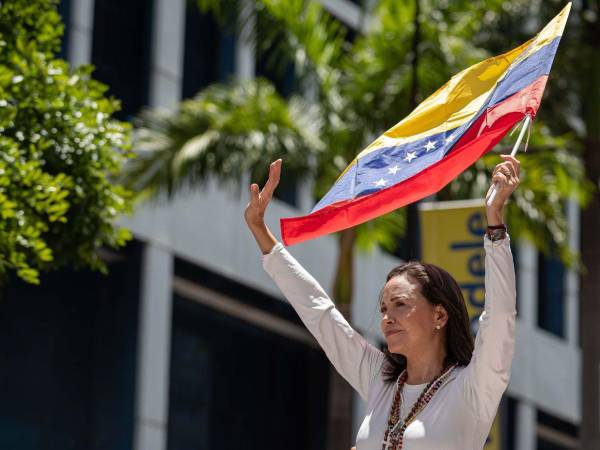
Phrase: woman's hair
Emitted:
{"points": [[439, 288]]}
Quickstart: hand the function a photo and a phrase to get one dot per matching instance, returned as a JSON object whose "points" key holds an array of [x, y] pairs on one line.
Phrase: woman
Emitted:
{"points": [[431, 389]]}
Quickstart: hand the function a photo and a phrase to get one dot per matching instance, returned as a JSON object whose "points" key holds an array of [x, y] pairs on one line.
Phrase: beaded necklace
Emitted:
{"points": [[394, 435]]}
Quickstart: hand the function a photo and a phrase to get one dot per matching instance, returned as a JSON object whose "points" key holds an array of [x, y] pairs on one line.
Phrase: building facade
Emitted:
{"points": [[187, 343]]}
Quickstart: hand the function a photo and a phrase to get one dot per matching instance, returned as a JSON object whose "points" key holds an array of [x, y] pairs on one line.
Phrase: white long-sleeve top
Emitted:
{"points": [[460, 414]]}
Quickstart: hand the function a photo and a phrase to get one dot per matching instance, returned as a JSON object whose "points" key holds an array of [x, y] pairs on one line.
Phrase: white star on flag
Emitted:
{"points": [[449, 138], [430, 145], [380, 182], [393, 170], [410, 156]]}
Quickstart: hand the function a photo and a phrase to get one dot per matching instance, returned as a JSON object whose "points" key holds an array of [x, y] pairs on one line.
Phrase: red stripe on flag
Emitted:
{"points": [[481, 137]]}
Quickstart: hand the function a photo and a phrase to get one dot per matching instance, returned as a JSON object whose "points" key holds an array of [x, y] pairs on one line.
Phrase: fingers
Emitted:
{"points": [[506, 178], [513, 163], [254, 195], [499, 178], [258, 196], [273, 181], [508, 171]]}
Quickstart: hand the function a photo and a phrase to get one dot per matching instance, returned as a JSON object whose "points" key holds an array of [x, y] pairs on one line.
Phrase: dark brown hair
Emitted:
{"points": [[439, 288]]}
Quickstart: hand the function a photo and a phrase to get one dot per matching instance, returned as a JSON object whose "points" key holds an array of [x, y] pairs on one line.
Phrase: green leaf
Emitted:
{"points": [[57, 140]]}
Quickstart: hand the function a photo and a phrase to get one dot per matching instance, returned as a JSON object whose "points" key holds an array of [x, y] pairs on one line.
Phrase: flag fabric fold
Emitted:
{"points": [[441, 138]]}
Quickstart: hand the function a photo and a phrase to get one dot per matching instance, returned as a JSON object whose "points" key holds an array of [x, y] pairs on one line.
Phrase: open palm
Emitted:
{"points": [[255, 209]]}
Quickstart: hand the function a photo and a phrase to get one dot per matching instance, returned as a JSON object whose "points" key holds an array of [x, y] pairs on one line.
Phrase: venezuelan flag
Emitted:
{"points": [[442, 137]]}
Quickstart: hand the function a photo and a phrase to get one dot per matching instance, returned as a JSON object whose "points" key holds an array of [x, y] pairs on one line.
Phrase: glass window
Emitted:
{"points": [[287, 190], [64, 9], [543, 444], [551, 293], [514, 248], [68, 357], [121, 51], [555, 434], [278, 69], [209, 54], [351, 35], [229, 377], [508, 423]]}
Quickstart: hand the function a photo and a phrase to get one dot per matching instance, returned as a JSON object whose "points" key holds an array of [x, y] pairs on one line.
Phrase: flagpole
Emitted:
{"points": [[512, 153]]}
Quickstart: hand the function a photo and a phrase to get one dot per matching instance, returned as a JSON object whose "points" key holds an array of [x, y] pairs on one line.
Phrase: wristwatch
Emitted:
{"points": [[496, 232]]}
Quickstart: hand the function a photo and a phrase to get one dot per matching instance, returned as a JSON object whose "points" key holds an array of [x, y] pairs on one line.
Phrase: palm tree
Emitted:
{"points": [[406, 50]]}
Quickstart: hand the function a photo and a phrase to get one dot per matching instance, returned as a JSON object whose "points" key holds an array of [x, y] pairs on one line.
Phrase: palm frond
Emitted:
{"points": [[225, 131]]}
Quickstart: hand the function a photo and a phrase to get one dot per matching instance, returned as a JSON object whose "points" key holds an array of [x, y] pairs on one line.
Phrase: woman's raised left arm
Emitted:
{"points": [[487, 375]]}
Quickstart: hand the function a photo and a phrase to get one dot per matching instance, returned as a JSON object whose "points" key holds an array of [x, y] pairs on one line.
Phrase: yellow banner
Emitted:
{"points": [[452, 238]]}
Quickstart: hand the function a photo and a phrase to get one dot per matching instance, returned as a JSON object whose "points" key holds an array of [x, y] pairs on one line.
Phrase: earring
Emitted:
{"points": [[437, 327]]}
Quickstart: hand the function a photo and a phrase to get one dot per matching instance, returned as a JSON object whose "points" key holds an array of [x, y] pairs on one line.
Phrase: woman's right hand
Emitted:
{"points": [[255, 209]]}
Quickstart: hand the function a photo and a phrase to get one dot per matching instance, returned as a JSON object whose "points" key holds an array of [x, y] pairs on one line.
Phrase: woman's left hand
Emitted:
{"points": [[506, 179]]}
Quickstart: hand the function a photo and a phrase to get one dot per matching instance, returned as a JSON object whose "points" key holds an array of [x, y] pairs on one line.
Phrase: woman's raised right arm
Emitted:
{"points": [[352, 356]]}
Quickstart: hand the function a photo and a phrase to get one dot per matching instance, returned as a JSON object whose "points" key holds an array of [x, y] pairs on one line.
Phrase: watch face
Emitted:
{"points": [[496, 235]]}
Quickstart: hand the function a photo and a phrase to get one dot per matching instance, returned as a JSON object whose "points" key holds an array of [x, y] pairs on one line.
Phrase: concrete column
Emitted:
{"points": [[526, 438], [527, 288], [572, 278], [244, 52], [154, 343], [81, 32], [167, 53]]}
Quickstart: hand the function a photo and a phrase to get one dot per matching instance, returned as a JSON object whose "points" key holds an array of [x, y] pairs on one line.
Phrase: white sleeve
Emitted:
{"points": [[353, 357], [487, 375]]}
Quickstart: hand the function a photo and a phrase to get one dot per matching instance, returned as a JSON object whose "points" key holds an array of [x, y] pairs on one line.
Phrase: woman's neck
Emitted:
{"points": [[423, 369]]}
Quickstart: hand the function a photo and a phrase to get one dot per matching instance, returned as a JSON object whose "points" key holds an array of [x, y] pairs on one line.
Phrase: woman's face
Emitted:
{"points": [[408, 319]]}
